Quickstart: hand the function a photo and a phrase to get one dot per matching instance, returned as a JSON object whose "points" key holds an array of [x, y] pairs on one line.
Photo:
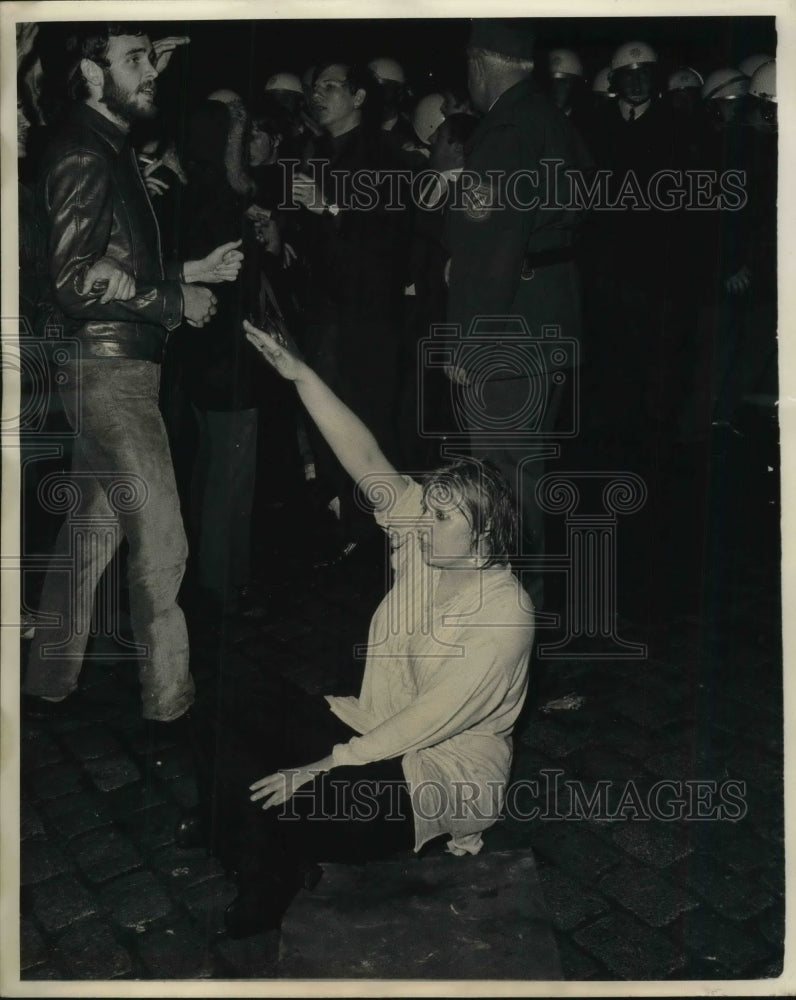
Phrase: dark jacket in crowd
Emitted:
{"points": [[637, 241], [217, 360], [500, 252], [92, 202], [357, 265]]}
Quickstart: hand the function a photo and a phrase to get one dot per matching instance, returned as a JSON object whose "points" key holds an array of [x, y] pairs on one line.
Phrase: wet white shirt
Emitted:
{"points": [[443, 686]]}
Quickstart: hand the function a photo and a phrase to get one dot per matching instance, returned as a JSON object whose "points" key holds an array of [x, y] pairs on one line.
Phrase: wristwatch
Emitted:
{"points": [[332, 210]]}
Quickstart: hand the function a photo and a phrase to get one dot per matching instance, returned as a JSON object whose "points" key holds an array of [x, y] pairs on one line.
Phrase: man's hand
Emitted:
{"points": [[278, 788], [288, 255], [281, 355], [307, 193], [739, 282], [268, 236], [154, 185], [222, 264], [163, 48], [457, 374], [108, 279], [199, 304]]}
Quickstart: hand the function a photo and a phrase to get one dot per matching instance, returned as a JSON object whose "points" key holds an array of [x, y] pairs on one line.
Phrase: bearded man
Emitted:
{"points": [[107, 281]]}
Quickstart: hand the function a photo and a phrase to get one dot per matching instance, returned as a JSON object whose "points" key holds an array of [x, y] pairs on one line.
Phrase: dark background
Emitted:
{"points": [[243, 54]]}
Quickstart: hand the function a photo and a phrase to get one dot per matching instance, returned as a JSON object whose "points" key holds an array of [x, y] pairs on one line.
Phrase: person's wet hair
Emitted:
{"points": [[482, 493]]}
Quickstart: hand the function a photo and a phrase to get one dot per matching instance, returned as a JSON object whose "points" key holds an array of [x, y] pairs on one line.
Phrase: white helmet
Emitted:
{"points": [[564, 62], [751, 64], [727, 84], [224, 96], [386, 69], [427, 116], [633, 54], [284, 81], [602, 82], [683, 79], [764, 83]]}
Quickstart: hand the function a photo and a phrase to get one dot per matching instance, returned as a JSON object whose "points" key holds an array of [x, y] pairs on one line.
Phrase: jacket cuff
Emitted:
{"points": [[173, 270], [172, 305]]}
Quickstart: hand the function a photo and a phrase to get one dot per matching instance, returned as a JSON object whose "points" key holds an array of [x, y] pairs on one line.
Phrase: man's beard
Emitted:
{"points": [[119, 102]]}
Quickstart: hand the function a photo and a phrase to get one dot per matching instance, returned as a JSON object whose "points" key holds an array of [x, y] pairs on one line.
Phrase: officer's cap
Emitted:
{"points": [[508, 36]]}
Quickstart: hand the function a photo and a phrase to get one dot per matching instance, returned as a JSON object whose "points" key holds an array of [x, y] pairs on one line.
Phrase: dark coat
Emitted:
{"points": [[219, 364], [489, 237], [354, 294]]}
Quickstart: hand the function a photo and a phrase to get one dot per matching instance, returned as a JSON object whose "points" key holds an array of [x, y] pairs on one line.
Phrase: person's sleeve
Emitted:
{"points": [[79, 200], [403, 509], [488, 239], [466, 690]]}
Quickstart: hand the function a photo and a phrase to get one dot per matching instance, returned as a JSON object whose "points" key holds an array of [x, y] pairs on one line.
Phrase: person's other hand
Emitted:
{"points": [[155, 186], [268, 236], [222, 264], [276, 351], [288, 255], [109, 279], [199, 304], [307, 193], [278, 788], [739, 282], [163, 49], [457, 374]]}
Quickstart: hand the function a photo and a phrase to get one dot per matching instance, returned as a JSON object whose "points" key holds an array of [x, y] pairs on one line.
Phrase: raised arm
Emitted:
{"points": [[351, 441]]}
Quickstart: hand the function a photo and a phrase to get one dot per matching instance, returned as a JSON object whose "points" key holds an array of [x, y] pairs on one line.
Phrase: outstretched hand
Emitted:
{"points": [[163, 48], [222, 264], [278, 788], [276, 350]]}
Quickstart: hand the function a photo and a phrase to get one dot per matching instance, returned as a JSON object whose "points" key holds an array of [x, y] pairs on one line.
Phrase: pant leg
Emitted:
{"points": [[86, 542], [122, 438], [224, 489], [348, 814]]}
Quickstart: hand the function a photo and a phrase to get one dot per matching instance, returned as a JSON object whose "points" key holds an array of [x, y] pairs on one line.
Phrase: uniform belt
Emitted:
{"points": [[544, 258]]}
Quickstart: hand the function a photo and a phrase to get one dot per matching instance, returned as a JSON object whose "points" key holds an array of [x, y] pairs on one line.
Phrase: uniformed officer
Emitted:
{"points": [[635, 141], [566, 78], [751, 353], [512, 259]]}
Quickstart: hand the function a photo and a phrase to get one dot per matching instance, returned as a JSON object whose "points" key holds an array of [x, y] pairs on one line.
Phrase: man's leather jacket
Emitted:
{"points": [[93, 204]]}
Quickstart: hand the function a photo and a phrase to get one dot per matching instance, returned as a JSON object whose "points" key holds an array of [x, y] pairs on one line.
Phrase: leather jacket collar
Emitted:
{"points": [[82, 114]]}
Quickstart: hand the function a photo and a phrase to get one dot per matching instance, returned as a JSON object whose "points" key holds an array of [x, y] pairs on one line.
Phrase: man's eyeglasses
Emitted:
{"points": [[329, 86]]}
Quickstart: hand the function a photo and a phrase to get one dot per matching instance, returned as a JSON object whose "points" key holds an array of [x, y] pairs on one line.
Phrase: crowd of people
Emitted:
{"points": [[429, 271]]}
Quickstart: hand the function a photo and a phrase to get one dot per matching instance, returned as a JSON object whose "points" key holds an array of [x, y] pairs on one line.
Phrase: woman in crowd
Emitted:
{"points": [[425, 749]]}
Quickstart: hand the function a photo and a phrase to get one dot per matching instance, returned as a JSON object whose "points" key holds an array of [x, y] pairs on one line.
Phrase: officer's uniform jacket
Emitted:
{"points": [[507, 260]]}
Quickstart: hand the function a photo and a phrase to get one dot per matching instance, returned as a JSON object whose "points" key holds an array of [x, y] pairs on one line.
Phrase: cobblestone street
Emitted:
{"points": [[105, 894]]}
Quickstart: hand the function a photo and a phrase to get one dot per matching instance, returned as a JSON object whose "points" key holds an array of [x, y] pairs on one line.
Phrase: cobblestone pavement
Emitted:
{"points": [[105, 893]]}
